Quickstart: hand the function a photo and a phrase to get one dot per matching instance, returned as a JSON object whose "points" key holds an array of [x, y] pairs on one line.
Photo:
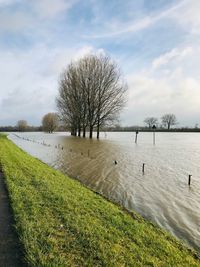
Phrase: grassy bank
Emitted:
{"points": [[62, 223]]}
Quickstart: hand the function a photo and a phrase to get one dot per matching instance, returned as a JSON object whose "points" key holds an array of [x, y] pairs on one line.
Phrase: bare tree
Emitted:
{"points": [[22, 125], [88, 71], [150, 121], [70, 100], [110, 92], [168, 120], [50, 122], [91, 93]]}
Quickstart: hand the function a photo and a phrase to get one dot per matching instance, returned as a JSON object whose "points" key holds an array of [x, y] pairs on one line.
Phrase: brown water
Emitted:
{"points": [[161, 194]]}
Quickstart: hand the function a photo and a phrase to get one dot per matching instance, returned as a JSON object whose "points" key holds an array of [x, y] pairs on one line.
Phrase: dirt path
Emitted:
{"points": [[10, 252]]}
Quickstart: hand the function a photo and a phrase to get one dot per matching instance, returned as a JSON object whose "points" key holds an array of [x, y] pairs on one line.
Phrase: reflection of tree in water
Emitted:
{"points": [[97, 168]]}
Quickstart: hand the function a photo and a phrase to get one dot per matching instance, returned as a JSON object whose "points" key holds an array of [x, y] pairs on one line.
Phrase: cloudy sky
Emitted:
{"points": [[156, 44]]}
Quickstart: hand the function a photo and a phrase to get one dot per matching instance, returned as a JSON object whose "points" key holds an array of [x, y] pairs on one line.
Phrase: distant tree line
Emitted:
{"points": [[16, 129], [135, 128], [51, 122], [167, 121], [91, 94]]}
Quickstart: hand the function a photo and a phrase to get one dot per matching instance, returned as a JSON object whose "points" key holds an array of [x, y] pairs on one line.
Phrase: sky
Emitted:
{"points": [[155, 43]]}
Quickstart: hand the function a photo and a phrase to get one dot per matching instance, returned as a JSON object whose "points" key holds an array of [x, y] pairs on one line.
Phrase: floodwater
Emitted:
{"points": [[160, 194]]}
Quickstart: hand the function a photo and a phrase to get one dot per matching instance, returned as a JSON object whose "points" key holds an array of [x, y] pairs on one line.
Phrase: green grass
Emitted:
{"points": [[62, 223]]}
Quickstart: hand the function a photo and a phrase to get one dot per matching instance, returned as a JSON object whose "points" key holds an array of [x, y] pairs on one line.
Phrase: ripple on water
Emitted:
{"points": [[161, 194]]}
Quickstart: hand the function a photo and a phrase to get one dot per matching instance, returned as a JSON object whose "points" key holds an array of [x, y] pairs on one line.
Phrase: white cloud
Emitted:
{"points": [[29, 81], [14, 22], [62, 57], [135, 26], [188, 16], [185, 13], [52, 8], [29, 77], [172, 85], [36, 19], [176, 54], [29, 84]]}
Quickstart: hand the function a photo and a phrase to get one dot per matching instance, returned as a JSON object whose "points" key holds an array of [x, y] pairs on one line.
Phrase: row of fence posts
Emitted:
{"points": [[189, 176], [59, 146], [154, 142], [88, 152]]}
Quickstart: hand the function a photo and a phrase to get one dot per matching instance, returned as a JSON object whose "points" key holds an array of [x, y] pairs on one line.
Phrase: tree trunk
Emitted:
{"points": [[91, 131], [73, 131], [98, 128], [79, 132], [84, 131]]}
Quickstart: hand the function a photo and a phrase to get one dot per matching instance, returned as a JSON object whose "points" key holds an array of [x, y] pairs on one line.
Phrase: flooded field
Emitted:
{"points": [[160, 194]]}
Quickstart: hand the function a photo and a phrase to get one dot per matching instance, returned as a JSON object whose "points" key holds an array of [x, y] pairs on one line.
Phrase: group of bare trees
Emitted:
{"points": [[167, 121], [91, 94]]}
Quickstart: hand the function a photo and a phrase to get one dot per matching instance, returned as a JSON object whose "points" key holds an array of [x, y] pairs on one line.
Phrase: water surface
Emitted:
{"points": [[160, 194]]}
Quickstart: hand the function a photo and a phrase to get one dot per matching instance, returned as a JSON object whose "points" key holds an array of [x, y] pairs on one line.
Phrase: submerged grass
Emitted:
{"points": [[62, 223]]}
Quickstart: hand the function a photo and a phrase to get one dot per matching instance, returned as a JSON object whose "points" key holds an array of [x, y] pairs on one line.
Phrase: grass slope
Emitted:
{"points": [[62, 223]]}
